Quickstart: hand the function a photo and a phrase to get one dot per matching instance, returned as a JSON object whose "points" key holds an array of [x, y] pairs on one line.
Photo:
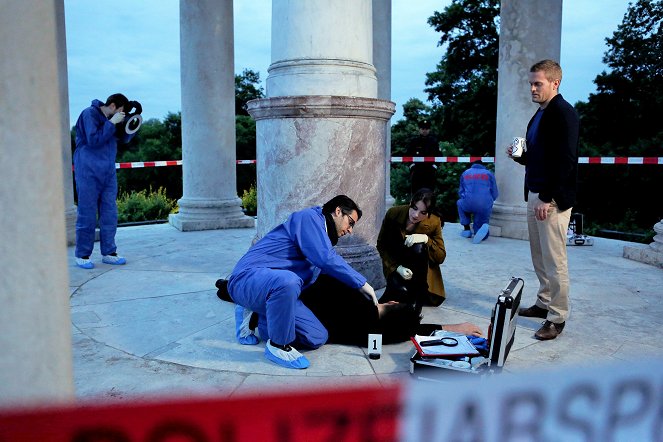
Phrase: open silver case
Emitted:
{"points": [[501, 333]]}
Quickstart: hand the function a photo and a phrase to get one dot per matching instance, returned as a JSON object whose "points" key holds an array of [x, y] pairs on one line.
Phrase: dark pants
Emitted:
{"points": [[415, 290]]}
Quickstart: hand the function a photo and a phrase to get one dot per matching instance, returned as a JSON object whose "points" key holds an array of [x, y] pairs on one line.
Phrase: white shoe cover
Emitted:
{"points": [[244, 334], [287, 359]]}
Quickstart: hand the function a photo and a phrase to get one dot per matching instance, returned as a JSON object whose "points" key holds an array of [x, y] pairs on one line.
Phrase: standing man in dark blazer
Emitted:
{"points": [[551, 168]]}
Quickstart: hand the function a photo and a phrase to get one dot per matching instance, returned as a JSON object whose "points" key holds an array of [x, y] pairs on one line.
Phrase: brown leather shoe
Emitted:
{"points": [[533, 312], [549, 330]]}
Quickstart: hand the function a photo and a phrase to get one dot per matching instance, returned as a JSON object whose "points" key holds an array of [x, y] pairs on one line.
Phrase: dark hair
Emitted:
{"points": [[428, 198], [344, 202], [119, 100]]}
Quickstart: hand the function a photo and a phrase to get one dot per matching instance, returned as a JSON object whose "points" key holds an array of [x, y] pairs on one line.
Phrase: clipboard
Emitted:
{"points": [[463, 349]]}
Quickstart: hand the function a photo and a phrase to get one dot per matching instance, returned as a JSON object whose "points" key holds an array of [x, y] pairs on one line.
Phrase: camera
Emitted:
{"points": [[132, 119]]}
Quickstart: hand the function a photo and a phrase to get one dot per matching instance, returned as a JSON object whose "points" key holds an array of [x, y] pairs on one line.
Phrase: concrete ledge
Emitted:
{"points": [[188, 225], [644, 254]]}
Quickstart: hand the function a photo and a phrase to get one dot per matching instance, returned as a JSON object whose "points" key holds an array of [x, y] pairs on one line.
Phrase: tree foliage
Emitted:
{"points": [[463, 89], [623, 116], [623, 119], [162, 140], [246, 89], [463, 94]]}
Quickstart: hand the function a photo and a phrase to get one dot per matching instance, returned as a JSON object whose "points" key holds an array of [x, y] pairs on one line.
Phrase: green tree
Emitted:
{"points": [[155, 141], [463, 89], [162, 140], [414, 110], [247, 87], [623, 119]]}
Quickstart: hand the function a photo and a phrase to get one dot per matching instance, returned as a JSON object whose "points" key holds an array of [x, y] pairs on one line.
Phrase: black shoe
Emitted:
{"points": [[549, 330], [222, 293], [533, 312]]}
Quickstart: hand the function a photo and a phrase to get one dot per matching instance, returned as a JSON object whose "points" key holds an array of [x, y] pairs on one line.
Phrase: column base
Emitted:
{"points": [[203, 214], [645, 254], [509, 221], [652, 254], [366, 260]]}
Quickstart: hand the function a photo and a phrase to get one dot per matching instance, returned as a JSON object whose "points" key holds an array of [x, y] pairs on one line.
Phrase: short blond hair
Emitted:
{"points": [[550, 68]]}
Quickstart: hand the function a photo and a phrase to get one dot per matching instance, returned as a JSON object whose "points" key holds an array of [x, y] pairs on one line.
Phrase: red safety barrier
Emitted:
{"points": [[581, 160], [357, 415], [471, 159]]}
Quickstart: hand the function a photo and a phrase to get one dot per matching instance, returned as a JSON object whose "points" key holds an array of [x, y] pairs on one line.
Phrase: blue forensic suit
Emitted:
{"points": [[96, 181], [477, 191], [269, 278]]}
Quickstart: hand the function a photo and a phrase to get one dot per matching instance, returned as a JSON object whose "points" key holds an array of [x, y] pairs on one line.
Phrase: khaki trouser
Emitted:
{"points": [[547, 242]]}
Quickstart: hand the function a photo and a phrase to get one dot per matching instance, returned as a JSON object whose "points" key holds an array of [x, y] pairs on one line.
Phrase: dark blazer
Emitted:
{"points": [[559, 130]]}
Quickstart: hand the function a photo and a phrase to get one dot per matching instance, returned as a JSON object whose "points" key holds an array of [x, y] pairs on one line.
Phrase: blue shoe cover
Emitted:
{"points": [[466, 233], [249, 340], [113, 260], [481, 234], [287, 359], [84, 263], [243, 333]]}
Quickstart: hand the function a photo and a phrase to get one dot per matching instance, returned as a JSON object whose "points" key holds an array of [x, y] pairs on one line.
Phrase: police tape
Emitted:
{"points": [[141, 164], [581, 160], [617, 401], [470, 159]]}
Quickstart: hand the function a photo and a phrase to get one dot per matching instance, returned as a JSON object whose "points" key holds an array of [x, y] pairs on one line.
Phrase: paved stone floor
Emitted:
{"points": [[155, 326]]}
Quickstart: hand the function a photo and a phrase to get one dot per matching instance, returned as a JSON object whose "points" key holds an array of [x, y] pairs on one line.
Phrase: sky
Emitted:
{"points": [[133, 47]]}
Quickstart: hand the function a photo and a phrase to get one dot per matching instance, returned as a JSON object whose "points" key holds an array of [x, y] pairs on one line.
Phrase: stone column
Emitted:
{"points": [[70, 211], [529, 32], [35, 326], [382, 63], [209, 181], [322, 131], [652, 254]]}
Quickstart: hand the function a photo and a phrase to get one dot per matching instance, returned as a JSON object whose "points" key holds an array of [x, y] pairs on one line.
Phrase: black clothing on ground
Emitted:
{"points": [[414, 291], [349, 317]]}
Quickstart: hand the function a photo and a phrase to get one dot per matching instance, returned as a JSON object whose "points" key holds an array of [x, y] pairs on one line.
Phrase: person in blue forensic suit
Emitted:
{"points": [[96, 181], [477, 192], [269, 278]]}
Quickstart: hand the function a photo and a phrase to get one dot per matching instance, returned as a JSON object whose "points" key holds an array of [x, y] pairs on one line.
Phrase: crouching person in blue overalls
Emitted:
{"points": [[477, 192], [269, 278]]}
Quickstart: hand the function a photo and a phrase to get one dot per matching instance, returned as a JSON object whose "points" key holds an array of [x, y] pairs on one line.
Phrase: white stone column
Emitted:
{"points": [[35, 326], [209, 181], [382, 63], [529, 32], [652, 254], [321, 131], [70, 211]]}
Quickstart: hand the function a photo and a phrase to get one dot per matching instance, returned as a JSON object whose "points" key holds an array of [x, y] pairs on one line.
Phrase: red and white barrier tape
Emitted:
{"points": [[441, 159], [140, 164], [581, 160], [613, 400], [620, 160]]}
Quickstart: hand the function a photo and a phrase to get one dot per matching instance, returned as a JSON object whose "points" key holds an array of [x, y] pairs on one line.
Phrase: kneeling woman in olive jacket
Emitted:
{"points": [[412, 248]]}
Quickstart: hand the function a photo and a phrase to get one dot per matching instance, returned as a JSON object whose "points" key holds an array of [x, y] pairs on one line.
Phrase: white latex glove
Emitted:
{"points": [[415, 238], [368, 291], [405, 273], [117, 118]]}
